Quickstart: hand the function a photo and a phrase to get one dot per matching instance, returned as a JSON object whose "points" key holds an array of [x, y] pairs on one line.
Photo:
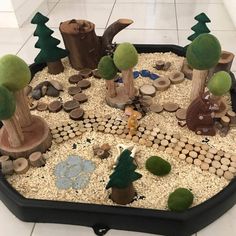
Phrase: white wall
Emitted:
{"points": [[231, 7]]}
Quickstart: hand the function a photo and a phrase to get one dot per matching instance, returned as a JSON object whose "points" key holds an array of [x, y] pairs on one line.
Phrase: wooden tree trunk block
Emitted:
{"points": [[111, 88], [37, 137], [128, 79], [198, 83], [55, 67]]}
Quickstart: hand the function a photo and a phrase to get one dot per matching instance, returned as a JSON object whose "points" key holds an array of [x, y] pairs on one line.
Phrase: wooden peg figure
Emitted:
{"points": [[133, 123]]}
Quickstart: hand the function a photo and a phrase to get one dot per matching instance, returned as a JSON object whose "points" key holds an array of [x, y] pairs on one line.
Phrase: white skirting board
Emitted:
{"points": [[230, 5]]}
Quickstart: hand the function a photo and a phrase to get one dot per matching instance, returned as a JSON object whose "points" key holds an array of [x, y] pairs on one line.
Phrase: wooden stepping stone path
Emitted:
{"points": [[70, 105], [55, 106], [74, 79], [161, 84], [147, 90], [80, 97], [181, 114], [157, 108], [42, 106], [86, 73], [76, 114], [84, 84], [170, 106], [74, 90], [176, 77]]}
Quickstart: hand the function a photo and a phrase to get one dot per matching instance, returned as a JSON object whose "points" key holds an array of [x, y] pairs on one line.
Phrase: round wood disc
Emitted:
{"points": [[21, 165], [42, 106], [55, 106], [74, 90], [176, 77], [80, 97], [162, 84], [84, 84], [156, 108], [70, 105], [77, 114], [181, 114], [171, 106], [86, 73], [148, 90], [74, 79], [33, 105], [96, 74]]}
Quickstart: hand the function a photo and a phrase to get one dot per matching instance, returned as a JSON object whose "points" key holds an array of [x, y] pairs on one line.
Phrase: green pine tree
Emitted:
{"points": [[200, 27], [124, 173], [49, 52]]}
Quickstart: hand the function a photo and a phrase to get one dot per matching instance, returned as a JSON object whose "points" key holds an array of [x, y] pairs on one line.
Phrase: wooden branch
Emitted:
{"points": [[111, 32]]}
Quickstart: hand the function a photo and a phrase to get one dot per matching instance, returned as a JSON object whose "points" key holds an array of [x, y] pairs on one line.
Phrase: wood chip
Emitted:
{"points": [[157, 108], [181, 114], [55, 106], [80, 97], [74, 79], [84, 84], [147, 90], [76, 114], [74, 90], [70, 105], [170, 106]]}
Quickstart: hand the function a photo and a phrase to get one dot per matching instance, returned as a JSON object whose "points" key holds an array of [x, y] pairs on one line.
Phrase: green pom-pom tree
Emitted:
{"points": [[125, 58], [50, 53], [121, 180], [10, 122], [15, 75], [202, 54], [180, 200], [158, 166], [108, 71]]}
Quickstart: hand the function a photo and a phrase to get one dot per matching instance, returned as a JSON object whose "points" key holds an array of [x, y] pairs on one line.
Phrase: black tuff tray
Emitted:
{"points": [[102, 217]]}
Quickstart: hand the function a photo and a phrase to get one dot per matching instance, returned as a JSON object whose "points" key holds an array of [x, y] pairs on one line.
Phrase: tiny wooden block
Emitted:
{"points": [[36, 159], [147, 90], [176, 77], [7, 167], [21, 165]]}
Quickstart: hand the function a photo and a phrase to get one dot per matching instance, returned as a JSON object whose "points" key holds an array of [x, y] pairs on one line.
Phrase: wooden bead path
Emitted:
{"points": [[199, 154]]}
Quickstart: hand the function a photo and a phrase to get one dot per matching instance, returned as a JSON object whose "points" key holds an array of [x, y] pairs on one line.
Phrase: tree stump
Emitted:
{"points": [[123, 196]]}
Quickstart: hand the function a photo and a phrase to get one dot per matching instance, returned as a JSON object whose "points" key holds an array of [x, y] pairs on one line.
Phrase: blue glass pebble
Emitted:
{"points": [[60, 169], [80, 182], [88, 166], [73, 160], [153, 76], [63, 183], [73, 171], [145, 73], [136, 74]]}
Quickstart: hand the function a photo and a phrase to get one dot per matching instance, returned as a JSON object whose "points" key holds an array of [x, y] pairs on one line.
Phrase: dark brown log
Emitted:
{"points": [[123, 196], [84, 46], [55, 67]]}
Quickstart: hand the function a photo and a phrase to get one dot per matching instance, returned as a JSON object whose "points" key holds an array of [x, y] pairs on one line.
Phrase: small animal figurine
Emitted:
{"points": [[133, 123], [200, 117]]}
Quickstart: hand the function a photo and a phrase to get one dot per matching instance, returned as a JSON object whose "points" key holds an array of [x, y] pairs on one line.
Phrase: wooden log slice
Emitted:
{"points": [[74, 79], [7, 167], [170, 106], [36, 159], [42, 106], [161, 84], [157, 108], [80, 97], [33, 105], [55, 106], [84, 84], [147, 90], [86, 73], [176, 77], [181, 114], [21, 165], [228, 175], [76, 114], [74, 90], [70, 105]]}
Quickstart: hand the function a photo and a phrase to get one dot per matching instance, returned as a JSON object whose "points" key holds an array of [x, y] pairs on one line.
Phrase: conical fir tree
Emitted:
{"points": [[49, 53], [200, 27], [121, 180]]}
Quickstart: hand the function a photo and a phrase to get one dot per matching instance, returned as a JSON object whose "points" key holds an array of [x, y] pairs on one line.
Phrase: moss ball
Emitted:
{"points": [[204, 52], [14, 72], [220, 83], [107, 68], [158, 166], [8, 103], [125, 56], [180, 200]]}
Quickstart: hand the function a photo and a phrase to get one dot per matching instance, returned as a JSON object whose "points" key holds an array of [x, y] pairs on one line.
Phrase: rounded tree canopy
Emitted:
{"points": [[125, 56], [107, 68], [204, 52], [220, 83], [7, 103], [14, 72]]}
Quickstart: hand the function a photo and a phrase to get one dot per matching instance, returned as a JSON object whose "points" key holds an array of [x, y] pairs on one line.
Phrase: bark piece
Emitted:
{"points": [[148, 90], [84, 84], [55, 106], [74, 90], [156, 108], [80, 97], [36, 159], [86, 73], [162, 84], [170, 106], [42, 106], [21, 165], [7, 167], [181, 114], [74, 79], [176, 77], [77, 114], [70, 105], [55, 68]]}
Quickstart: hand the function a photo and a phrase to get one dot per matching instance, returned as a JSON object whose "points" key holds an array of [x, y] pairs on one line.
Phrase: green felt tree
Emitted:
{"points": [[200, 27], [108, 71], [121, 180], [49, 53]]}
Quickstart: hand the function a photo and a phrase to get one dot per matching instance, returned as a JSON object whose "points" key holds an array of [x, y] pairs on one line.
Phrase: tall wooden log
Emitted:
{"points": [[111, 88], [84, 46], [128, 80]]}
